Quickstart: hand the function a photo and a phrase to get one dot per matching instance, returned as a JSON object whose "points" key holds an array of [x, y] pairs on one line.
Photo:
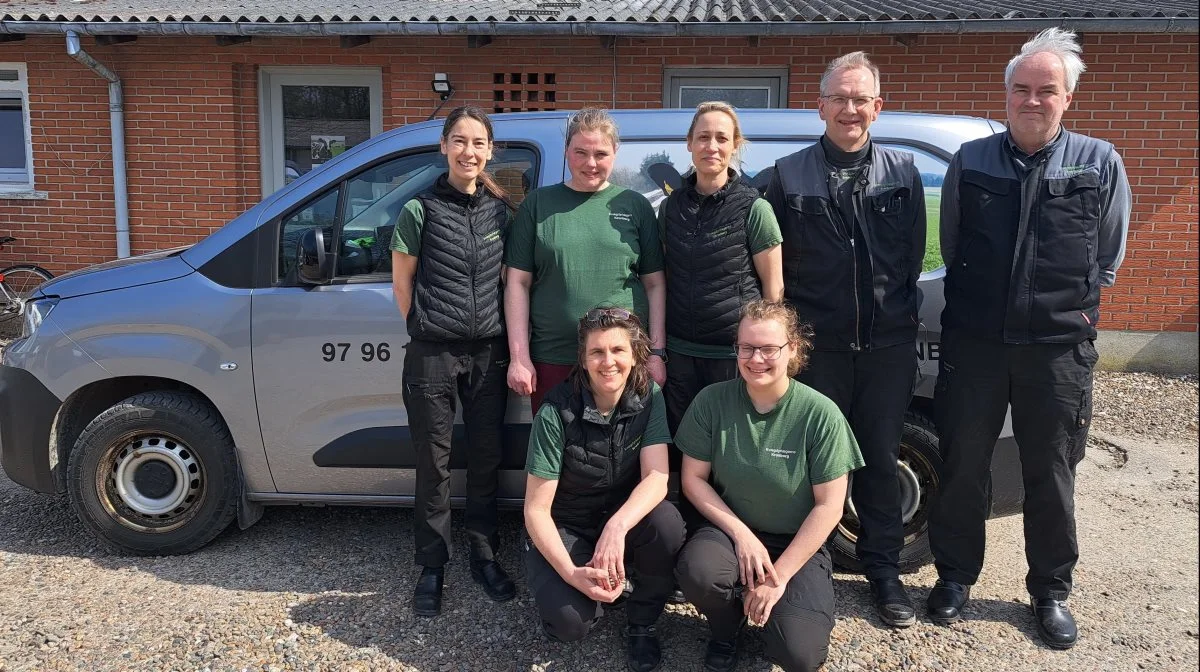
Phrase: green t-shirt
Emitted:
{"points": [[762, 233], [544, 458], [765, 464], [584, 249], [406, 237]]}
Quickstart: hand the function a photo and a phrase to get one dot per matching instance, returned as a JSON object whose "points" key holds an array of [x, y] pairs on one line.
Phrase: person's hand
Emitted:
{"points": [[658, 369], [522, 378], [594, 583], [759, 602], [754, 562], [609, 555]]}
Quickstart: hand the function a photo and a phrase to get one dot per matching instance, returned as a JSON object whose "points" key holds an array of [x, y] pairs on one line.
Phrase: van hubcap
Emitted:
{"points": [[154, 484]]}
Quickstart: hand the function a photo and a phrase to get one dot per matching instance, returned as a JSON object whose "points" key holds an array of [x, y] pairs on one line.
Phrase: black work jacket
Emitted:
{"points": [[823, 277]]}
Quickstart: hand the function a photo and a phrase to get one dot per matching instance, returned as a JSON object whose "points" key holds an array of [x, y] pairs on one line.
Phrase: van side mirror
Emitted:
{"points": [[312, 261]]}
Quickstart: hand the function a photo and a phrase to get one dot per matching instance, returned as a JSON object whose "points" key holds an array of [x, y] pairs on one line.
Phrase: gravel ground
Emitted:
{"points": [[325, 589]]}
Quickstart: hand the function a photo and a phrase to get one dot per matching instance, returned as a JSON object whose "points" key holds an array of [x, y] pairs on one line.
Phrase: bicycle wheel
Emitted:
{"points": [[19, 283]]}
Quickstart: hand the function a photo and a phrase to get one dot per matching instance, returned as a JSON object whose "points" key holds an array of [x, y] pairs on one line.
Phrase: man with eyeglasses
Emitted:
{"points": [[852, 214], [1033, 225]]}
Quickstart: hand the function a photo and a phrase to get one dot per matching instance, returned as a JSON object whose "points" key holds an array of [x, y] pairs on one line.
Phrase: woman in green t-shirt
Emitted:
{"points": [[778, 454], [575, 245], [595, 491]]}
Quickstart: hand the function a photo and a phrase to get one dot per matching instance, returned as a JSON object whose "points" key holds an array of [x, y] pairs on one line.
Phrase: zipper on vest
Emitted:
{"points": [[854, 280], [472, 269]]}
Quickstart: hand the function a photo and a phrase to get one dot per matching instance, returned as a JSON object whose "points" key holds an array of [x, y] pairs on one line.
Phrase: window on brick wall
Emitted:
{"points": [[524, 91], [16, 149], [740, 87]]}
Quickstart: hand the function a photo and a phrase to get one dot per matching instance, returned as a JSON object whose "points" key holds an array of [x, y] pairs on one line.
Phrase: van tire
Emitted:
{"points": [[150, 451], [919, 451]]}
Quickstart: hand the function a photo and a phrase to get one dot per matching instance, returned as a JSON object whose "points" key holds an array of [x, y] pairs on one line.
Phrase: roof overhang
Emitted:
{"points": [[601, 28]]}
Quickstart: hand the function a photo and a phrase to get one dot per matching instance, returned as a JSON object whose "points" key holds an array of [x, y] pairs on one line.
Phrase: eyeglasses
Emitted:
{"points": [[768, 352], [857, 102], [597, 316]]}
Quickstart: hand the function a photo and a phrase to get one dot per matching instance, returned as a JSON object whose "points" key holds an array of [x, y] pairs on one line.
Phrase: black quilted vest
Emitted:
{"points": [[456, 291], [710, 274], [601, 464]]}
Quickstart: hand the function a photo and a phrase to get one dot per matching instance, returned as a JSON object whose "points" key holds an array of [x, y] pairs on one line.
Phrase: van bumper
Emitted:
{"points": [[27, 411]]}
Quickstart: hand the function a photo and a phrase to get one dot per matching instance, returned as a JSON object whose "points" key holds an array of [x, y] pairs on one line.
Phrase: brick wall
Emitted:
{"points": [[193, 148]]}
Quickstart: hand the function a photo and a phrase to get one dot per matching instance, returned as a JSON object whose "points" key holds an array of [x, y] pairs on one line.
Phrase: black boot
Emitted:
{"points": [[644, 652], [427, 596], [721, 656], [495, 582], [946, 601], [892, 603], [1055, 623]]}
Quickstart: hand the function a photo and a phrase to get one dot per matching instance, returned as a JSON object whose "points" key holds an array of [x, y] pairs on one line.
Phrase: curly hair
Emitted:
{"points": [[602, 318], [799, 334]]}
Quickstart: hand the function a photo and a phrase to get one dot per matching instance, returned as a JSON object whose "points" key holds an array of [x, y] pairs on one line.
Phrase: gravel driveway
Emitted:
{"points": [[325, 589]]}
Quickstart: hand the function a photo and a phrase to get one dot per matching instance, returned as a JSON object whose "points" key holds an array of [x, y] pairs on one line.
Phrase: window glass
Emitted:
{"points": [[374, 199], [320, 212], [654, 168], [15, 162]]}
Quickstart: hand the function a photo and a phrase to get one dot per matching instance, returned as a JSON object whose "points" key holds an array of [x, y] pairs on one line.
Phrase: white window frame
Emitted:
{"points": [[13, 184], [774, 80], [271, 81]]}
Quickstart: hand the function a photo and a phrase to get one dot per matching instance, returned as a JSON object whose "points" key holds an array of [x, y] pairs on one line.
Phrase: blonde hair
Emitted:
{"points": [[799, 335], [739, 140], [593, 119]]}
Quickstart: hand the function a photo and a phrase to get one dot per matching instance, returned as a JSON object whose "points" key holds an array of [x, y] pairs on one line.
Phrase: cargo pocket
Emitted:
{"points": [[1083, 420]]}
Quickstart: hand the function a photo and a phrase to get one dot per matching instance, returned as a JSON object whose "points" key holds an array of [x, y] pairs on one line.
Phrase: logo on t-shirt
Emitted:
{"points": [[781, 452]]}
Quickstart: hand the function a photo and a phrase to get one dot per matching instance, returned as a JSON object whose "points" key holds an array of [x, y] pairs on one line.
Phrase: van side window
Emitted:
{"points": [[373, 200], [319, 212]]}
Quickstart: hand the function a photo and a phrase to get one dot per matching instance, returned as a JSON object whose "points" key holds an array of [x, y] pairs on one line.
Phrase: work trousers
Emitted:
{"points": [[873, 389], [796, 634], [650, 550], [436, 377], [686, 376], [1049, 387]]}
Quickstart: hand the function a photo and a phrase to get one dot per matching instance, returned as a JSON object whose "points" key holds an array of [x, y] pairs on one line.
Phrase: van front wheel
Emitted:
{"points": [[919, 462], [156, 474]]}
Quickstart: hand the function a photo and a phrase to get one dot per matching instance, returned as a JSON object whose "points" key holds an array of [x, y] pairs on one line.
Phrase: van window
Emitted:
{"points": [[654, 167], [373, 200]]}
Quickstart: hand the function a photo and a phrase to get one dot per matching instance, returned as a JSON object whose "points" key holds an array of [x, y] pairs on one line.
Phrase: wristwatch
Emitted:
{"points": [[661, 352]]}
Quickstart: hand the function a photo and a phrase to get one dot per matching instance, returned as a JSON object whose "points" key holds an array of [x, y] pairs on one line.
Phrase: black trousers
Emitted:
{"points": [[650, 549], [873, 389], [686, 376], [796, 634], [436, 376], [1049, 387]]}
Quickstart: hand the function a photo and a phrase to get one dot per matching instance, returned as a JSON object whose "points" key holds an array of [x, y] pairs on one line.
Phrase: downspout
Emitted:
{"points": [[116, 114]]}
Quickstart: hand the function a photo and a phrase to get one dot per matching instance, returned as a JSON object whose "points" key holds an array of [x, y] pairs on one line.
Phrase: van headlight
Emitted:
{"points": [[34, 312]]}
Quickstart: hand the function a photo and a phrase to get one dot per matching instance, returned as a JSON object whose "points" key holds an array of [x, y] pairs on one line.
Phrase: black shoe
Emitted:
{"points": [[892, 603], [495, 582], [946, 601], [721, 656], [644, 652], [1055, 623], [427, 596]]}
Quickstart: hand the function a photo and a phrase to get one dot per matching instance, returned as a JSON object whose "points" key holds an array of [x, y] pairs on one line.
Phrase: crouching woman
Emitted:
{"points": [[778, 454], [595, 491]]}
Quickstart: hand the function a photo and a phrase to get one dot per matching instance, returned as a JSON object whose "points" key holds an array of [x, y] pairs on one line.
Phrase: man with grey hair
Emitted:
{"points": [[1033, 225], [852, 214]]}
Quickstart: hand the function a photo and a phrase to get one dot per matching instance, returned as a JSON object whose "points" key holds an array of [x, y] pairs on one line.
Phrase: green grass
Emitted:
{"points": [[933, 239]]}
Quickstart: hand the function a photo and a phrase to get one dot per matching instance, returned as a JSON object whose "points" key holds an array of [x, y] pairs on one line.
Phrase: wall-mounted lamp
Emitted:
{"points": [[441, 85]]}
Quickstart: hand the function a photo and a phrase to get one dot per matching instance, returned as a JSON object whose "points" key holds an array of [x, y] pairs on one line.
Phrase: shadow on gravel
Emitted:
{"points": [[854, 601]]}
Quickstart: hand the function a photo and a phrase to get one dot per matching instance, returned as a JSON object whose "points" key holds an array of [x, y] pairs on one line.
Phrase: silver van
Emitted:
{"points": [[170, 393]]}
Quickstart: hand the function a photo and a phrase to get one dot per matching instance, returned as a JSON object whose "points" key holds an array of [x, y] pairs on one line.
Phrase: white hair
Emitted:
{"points": [[1061, 43], [851, 61]]}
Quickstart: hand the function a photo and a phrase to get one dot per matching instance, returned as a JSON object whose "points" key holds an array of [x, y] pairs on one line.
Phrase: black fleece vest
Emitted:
{"points": [[1040, 285], [601, 457], [710, 273], [456, 291]]}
